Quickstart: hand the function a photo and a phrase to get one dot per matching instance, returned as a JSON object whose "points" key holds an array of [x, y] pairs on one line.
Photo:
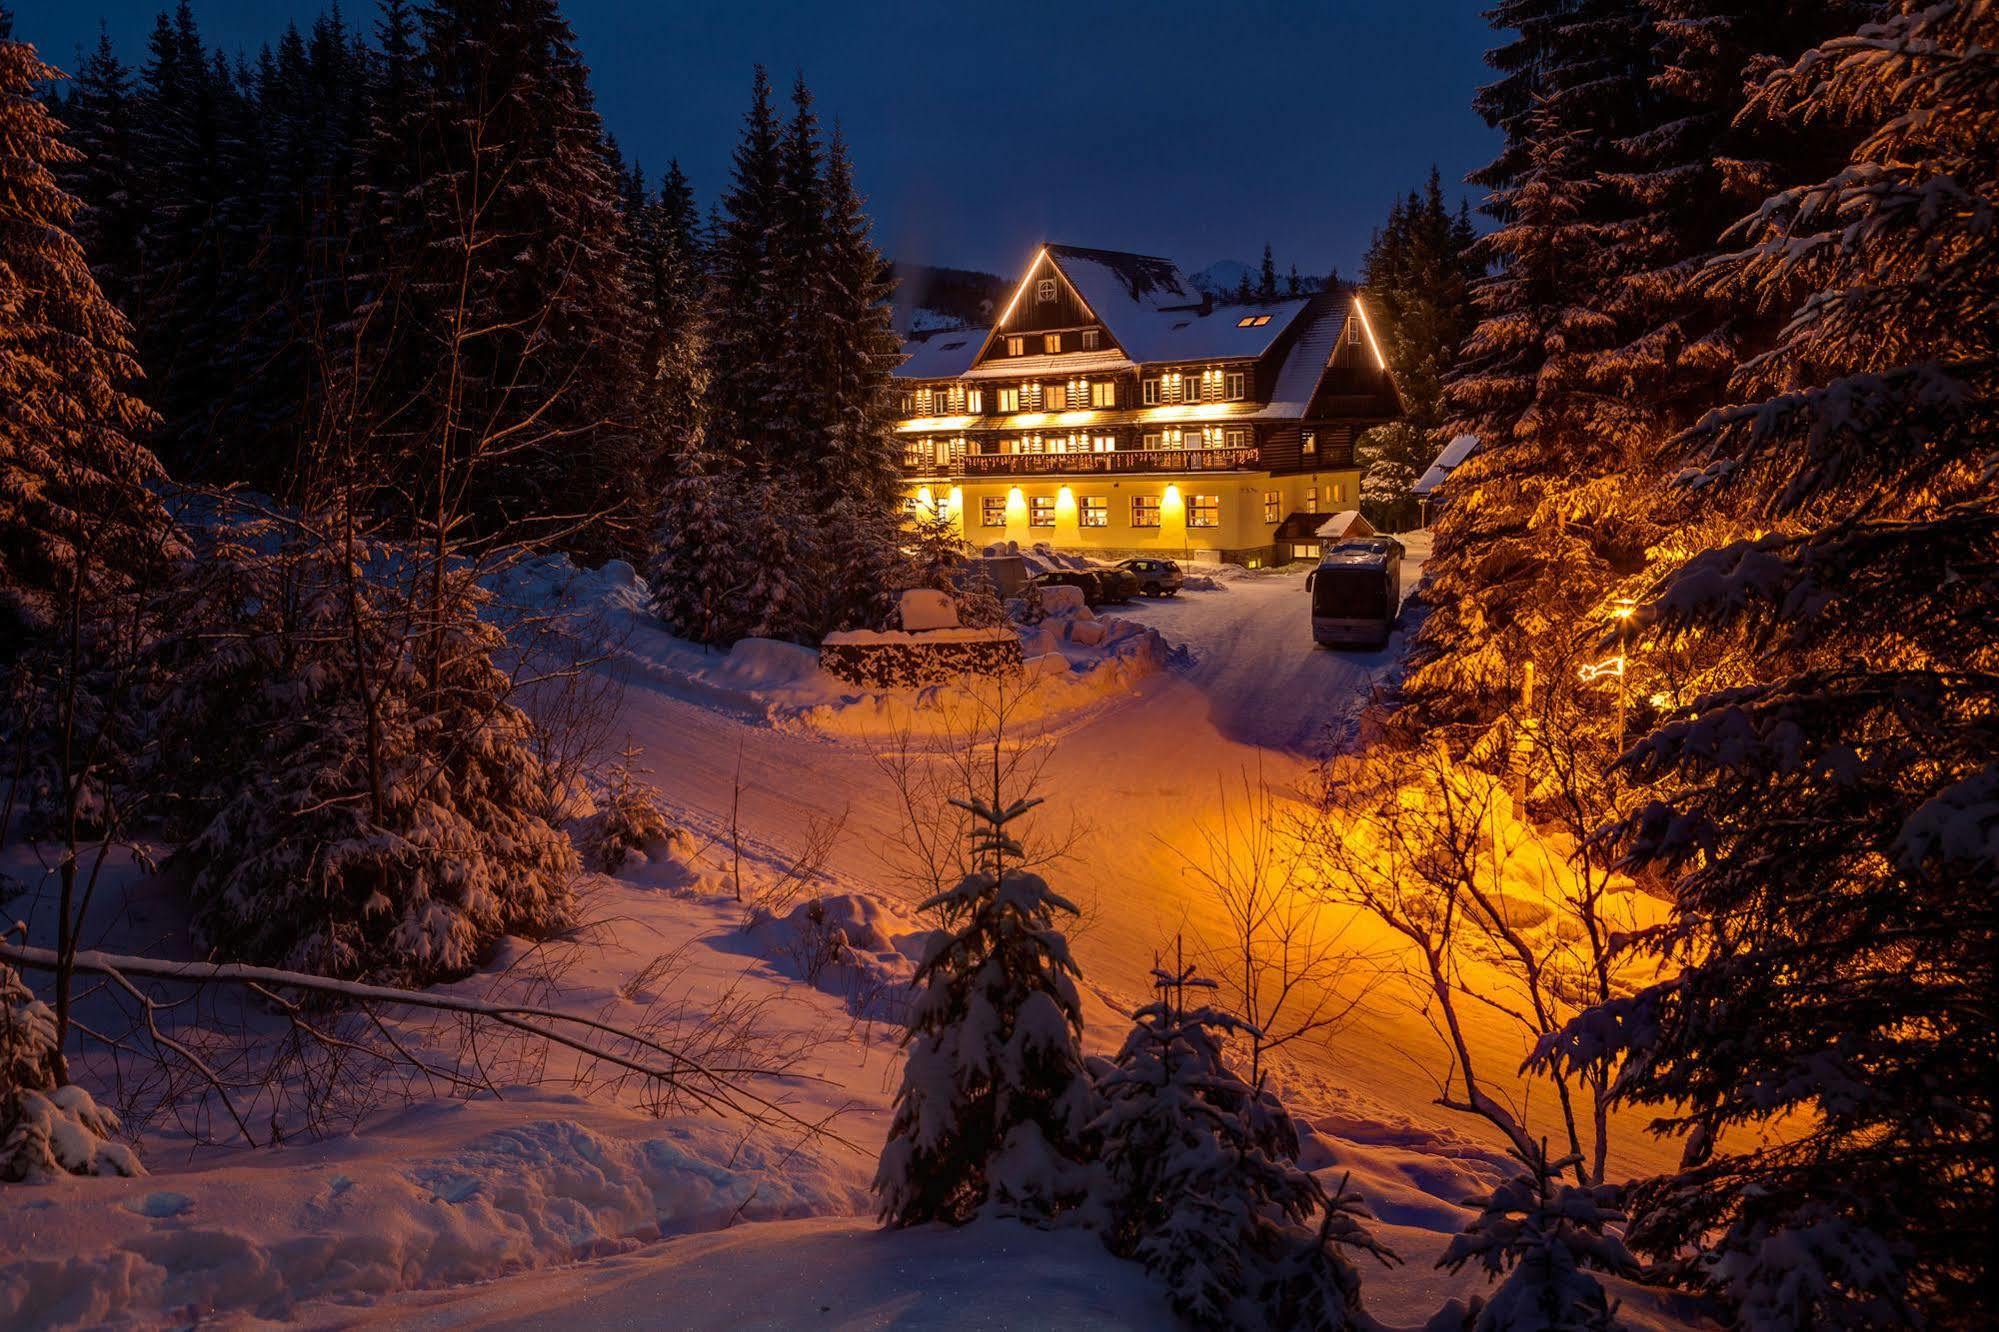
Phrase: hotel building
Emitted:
{"points": [[1116, 410]]}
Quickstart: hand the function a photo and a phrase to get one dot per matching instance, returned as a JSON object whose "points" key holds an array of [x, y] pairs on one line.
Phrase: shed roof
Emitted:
{"points": [[1455, 452]]}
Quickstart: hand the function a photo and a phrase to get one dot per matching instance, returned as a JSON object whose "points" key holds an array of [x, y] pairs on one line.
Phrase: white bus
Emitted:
{"points": [[1356, 592]]}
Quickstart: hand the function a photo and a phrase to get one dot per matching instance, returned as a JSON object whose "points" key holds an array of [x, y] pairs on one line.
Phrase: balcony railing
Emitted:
{"points": [[1115, 460]]}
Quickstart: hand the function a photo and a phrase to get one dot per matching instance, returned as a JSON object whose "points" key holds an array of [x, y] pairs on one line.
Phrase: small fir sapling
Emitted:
{"points": [[630, 819], [1546, 1237], [1204, 1183], [46, 1130], [996, 1101]]}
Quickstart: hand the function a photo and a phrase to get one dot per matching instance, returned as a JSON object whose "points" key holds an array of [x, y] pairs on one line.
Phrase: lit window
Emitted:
{"points": [[1150, 392], [1041, 511], [1261, 320], [914, 455], [1016, 346], [1152, 441], [1311, 499], [1273, 506], [1096, 512], [1247, 321], [1145, 510], [1190, 388], [1311, 442], [1238, 386], [1337, 492], [1051, 343], [1056, 397], [1238, 438], [1103, 393], [992, 511], [1104, 444], [975, 402], [1044, 290], [1089, 339], [1009, 400], [1204, 511]]}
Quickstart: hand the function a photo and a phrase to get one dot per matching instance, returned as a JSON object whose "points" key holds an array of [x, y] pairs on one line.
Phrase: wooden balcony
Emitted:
{"points": [[1097, 464]]}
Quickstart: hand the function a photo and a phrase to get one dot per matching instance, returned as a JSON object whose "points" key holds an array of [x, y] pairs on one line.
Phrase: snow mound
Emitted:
{"points": [[253, 1240], [847, 945]]}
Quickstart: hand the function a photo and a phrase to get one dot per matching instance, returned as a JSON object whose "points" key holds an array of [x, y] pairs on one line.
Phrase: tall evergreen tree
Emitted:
{"points": [[1541, 518], [1266, 279], [99, 113], [517, 299], [1831, 818], [1417, 285]]}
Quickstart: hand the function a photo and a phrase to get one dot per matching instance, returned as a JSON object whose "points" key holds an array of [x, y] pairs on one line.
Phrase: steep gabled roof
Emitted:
{"points": [[1156, 314]]}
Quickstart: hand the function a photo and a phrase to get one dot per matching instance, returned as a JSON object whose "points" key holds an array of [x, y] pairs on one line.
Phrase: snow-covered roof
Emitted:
{"points": [[1345, 523], [1155, 312], [941, 355], [1455, 452], [1305, 364]]}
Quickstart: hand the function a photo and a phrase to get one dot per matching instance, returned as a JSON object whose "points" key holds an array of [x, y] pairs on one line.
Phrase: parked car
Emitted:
{"points": [[1356, 593], [1156, 578], [1091, 586], [1120, 583]]}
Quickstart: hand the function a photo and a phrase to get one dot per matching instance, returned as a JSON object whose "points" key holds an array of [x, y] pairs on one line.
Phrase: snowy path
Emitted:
{"points": [[1139, 779]]}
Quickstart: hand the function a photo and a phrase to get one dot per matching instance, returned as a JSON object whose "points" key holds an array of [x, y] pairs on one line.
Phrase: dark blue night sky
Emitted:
{"points": [[1194, 131]]}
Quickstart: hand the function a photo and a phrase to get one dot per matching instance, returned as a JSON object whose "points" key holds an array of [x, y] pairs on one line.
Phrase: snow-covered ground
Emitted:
{"points": [[553, 1206]]}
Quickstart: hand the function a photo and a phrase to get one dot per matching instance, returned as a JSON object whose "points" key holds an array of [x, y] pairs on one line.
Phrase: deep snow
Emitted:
{"points": [[566, 1204]]}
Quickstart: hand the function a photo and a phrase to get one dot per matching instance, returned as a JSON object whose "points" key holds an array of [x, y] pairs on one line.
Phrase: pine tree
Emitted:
{"points": [[744, 342], [77, 521], [82, 534], [1417, 285], [1205, 1186], [1545, 1237], [1266, 282], [99, 114], [995, 1104], [517, 301], [1829, 816], [861, 471], [1542, 517], [362, 799]]}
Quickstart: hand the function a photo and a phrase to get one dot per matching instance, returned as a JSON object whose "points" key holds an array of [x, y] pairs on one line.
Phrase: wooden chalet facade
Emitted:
{"points": [[1114, 409]]}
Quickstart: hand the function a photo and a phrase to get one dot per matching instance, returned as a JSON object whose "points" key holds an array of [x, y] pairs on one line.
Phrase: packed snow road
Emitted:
{"points": [[1135, 790]]}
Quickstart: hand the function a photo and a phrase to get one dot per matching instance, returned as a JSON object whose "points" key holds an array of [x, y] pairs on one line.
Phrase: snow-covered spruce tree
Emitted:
{"points": [[1542, 515], [996, 1102], [1204, 1184], [862, 467], [364, 799], [77, 521], [1545, 1237], [47, 1129], [1832, 820]]}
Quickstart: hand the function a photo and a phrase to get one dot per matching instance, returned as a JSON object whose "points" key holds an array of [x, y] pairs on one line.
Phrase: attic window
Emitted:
{"points": [[1044, 290], [1260, 321], [1247, 321]]}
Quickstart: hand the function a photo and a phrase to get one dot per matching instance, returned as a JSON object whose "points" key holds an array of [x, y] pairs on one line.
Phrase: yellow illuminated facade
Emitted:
{"points": [[1114, 410]]}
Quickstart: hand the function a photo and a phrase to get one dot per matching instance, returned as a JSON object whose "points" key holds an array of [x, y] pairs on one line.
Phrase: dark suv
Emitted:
{"points": [[1091, 586], [1156, 578]]}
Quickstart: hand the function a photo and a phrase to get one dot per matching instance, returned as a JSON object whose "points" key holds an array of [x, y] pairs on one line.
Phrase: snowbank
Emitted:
{"points": [[446, 1193]]}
